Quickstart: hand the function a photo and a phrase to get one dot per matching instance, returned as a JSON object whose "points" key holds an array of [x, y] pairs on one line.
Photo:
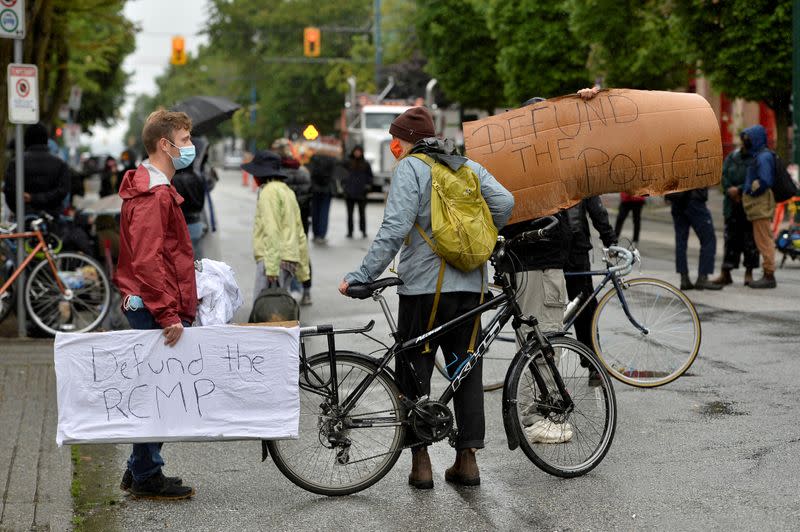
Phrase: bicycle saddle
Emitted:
{"points": [[365, 290]]}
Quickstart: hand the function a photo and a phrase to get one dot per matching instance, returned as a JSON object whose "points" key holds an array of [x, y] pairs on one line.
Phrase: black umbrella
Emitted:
{"points": [[206, 112]]}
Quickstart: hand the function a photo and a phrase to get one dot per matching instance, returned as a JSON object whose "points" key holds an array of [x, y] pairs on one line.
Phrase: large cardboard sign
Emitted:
{"points": [[552, 154], [217, 383]]}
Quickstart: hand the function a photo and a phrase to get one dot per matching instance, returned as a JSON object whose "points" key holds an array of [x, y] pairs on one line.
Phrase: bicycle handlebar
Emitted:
{"points": [[628, 258]]}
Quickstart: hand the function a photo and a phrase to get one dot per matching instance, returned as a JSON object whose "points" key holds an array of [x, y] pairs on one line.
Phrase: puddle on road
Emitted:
{"points": [[716, 409]]}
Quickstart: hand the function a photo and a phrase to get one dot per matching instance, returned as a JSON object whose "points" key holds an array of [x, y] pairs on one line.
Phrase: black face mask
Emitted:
{"points": [[747, 143]]}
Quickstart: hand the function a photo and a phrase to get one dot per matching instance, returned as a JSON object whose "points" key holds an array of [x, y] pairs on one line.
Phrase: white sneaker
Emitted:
{"points": [[545, 431], [529, 415]]}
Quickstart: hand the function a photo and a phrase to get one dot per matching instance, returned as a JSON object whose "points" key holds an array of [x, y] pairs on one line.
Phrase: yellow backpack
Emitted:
{"points": [[463, 233]]}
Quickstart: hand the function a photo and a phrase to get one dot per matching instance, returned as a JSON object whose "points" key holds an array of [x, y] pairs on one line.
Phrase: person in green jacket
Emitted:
{"points": [[739, 241], [280, 247]]}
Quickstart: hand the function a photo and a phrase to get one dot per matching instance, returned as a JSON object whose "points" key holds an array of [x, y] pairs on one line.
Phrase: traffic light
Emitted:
{"points": [[178, 51], [311, 42]]}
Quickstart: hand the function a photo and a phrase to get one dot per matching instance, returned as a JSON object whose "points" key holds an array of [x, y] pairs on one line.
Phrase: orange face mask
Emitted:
{"points": [[397, 149]]}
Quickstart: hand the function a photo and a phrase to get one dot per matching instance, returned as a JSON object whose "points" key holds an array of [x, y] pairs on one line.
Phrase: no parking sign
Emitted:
{"points": [[23, 94]]}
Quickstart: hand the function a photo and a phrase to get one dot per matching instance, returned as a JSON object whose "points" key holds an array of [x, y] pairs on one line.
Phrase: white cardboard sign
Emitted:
{"points": [[23, 93], [218, 383]]}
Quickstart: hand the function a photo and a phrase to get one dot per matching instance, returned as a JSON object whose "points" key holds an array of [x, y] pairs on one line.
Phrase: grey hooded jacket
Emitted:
{"points": [[409, 201]]}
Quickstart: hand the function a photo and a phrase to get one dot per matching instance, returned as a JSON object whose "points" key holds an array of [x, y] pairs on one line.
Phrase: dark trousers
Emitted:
{"points": [[739, 241], [694, 214], [320, 211], [414, 369], [581, 284], [362, 214], [145, 460], [626, 207]]}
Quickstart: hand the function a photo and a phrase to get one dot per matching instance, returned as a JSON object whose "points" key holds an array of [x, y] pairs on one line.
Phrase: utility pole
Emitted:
{"points": [[796, 81], [379, 44]]}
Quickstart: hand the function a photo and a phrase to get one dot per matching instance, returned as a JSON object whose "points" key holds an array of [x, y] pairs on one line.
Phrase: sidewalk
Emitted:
{"points": [[35, 475]]}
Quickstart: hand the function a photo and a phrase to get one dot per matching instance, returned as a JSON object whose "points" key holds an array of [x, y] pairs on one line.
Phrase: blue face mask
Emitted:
{"points": [[186, 157]]}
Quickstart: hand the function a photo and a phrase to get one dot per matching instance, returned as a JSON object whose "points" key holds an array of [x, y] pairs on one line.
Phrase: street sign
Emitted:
{"points": [[12, 19], [23, 93], [310, 132], [75, 95]]}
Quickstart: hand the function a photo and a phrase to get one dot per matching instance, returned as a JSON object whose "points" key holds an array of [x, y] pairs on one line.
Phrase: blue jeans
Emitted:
{"points": [[145, 460], [320, 209], [696, 215]]}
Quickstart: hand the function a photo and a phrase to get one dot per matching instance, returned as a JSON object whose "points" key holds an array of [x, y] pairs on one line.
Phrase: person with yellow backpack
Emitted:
{"points": [[444, 211]]}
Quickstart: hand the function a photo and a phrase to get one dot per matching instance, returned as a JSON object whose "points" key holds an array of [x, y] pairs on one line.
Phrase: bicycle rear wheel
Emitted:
{"points": [[560, 440], [655, 357], [361, 455], [82, 308]]}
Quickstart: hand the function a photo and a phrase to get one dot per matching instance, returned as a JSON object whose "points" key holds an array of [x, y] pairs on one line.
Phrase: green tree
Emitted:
{"points": [[633, 43], [461, 52], [75, 42], [744, 47], [538, 55]]}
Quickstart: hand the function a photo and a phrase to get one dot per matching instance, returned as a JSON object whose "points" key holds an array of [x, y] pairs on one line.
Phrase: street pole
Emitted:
{"points": [[379, 45], [796, 81], [19, 150]]}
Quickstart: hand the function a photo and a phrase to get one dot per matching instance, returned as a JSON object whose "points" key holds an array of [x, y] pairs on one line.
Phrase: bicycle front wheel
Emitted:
{"points": [[562, 439], [85, 304], [664, 350], [338, 454]]}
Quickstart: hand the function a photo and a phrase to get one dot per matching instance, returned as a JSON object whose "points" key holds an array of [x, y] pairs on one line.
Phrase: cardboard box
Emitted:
{"points": [[552, 154]]}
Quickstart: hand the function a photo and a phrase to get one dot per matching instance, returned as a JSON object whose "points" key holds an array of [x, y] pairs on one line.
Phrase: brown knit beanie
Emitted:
{"points": [[413, 125]]}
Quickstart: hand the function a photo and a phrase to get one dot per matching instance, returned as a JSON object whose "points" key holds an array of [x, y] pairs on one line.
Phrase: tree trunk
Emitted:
{"points": [[782, 118]]}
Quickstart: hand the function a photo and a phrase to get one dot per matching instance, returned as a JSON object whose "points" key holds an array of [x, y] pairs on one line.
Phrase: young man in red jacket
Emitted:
{"points": [[155, 270]]}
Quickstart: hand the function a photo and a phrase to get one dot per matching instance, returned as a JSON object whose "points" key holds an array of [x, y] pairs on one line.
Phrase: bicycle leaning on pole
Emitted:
{"points": [[354, 420], [64, 292]]}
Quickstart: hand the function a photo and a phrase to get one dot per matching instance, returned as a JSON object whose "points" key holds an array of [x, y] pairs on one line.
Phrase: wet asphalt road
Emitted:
{"points": [[717, 449]]}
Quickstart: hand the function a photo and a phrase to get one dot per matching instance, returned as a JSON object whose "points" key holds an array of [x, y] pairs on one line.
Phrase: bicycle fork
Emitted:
{"points": [[562, 395]]}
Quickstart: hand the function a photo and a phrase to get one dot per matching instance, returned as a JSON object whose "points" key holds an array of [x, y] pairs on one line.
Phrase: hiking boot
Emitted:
{"points": [[421, 476], [545, 431], [686, 283], [306, 300], [724, 278], [127, 480], [748, 276], [704, 283], [768, 281], [157, 487], [465, 469]]}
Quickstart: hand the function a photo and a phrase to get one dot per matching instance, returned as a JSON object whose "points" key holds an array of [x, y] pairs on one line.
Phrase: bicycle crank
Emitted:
{"points": [[431, 421]]}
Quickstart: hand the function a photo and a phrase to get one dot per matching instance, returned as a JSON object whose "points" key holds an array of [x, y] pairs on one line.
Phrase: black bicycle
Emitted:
{"points": [[558, 402]]}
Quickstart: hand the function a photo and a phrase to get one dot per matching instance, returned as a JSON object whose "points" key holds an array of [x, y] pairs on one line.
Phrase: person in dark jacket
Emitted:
{"points": [[359, 179], [321, 167], [739, 239], [689, 210], [108, 177], [759, 201], [193, 191], [47, 178], [578, 259]]}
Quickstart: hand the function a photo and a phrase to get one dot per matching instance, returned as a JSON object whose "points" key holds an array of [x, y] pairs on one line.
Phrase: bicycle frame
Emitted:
{"points": [[510, 310], [40, 246], [617, 282]]}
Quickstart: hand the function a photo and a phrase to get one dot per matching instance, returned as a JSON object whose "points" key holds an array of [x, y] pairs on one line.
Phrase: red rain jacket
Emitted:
{"points": [[156, 261]]}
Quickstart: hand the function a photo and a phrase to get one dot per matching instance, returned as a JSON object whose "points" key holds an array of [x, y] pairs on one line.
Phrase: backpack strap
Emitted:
{"points": [[436, 298]]}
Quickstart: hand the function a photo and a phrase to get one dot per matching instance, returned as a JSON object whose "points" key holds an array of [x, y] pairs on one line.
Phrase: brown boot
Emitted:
{"points": [[421, 476], [768, 281], [748, 276], [724, 278], [465, 469]]}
